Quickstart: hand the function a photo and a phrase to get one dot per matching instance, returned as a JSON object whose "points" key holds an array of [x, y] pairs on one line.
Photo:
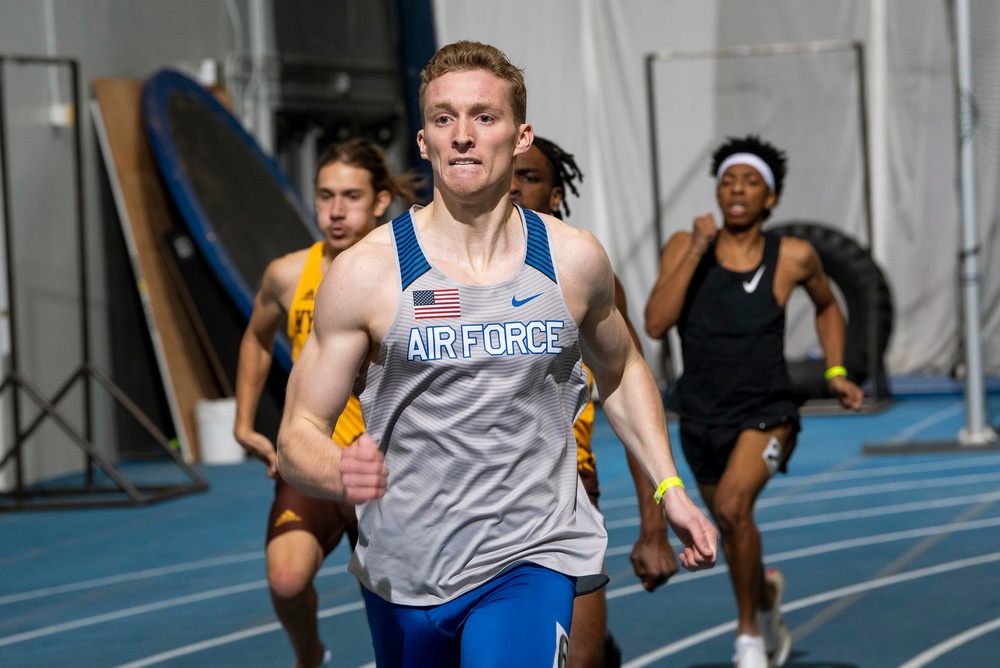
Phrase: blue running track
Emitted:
{"points": [[891, 560]]}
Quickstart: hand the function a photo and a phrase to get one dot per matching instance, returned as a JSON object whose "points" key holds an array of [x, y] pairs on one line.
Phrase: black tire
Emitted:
{"points": [[860, 281]]}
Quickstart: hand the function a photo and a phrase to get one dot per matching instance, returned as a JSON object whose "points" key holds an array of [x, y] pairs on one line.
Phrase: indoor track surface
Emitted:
{"points": [[890, 560]]}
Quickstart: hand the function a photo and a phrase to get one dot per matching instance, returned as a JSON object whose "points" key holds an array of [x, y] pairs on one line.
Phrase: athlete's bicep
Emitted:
{"points": [[588, 285], [604, 335], [674, 252], [266, 317], [323, 375], [814, 279]]}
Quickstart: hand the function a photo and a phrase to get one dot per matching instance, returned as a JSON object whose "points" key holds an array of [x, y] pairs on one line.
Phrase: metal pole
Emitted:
{"points": [[88, 430], [976, 431], [874, 363], [654, 168], [11, 306], [263, 122], [878, 117]]}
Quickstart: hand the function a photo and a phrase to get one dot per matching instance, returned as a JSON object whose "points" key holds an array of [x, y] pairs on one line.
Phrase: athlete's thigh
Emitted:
{"points": [[407, 637], [754, 459], [326, 519], [524, 622], [590, 624]]}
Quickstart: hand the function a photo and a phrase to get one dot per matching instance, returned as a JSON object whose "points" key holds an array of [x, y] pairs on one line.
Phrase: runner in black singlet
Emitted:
{"points": [[542, 176], [726, 290]]}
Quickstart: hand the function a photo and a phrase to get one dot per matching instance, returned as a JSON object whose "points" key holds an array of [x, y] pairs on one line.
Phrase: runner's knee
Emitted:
{"points": [[733, 511], [288, 579]]}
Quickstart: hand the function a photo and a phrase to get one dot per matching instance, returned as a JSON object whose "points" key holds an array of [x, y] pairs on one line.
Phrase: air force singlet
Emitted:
{"points": [[733, 333], [300, 321], [473, 399]]}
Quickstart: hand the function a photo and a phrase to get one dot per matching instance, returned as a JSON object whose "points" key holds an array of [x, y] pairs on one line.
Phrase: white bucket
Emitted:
{"points": [[216, 443]]}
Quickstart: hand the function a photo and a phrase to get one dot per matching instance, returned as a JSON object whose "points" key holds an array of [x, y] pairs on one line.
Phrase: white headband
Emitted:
{"points": [[746, 159]]}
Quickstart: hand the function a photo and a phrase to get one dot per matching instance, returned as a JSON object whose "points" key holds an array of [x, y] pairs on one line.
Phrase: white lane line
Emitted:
{"points": [[910, 534], [931, 419], [816, 599], [850, 514], [879, 512], [620, 591], [839, 476], [131, 577], [148, 607], [615, 593], [943, 648], [974, 462], [814, 550], [966, 462], [129, 612], [231, 638], [880, 488]]}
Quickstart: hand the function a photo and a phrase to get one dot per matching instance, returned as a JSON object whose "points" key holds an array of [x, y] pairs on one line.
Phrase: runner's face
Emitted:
{"points": [[743, 196], [469, 134], [532, 186], [347, 207]]}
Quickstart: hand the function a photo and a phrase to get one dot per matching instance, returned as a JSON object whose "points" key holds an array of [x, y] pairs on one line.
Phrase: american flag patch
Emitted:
{"points": [[436, 304]]}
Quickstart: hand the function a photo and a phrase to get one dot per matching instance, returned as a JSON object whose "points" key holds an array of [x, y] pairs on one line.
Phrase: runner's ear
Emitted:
{"points": [[525, 137]]}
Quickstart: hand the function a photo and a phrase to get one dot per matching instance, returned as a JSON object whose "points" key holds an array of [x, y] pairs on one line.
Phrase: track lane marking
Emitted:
{"points": [[955, 641], [838, 475], [826, 548], [823, 597]]}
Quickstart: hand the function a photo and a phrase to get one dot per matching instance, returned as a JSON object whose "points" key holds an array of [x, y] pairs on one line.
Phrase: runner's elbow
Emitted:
{"points": [[656, 324]]}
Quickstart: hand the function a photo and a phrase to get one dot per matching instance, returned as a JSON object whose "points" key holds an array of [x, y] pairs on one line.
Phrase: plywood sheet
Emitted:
{"points": [[146, 218]]}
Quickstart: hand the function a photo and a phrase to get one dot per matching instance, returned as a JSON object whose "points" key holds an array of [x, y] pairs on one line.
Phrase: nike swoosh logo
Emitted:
{"points": [[515, 302], [751, 285]]}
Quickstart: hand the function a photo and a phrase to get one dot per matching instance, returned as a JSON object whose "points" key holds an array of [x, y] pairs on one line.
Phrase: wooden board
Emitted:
{"points": [[146, 218]]}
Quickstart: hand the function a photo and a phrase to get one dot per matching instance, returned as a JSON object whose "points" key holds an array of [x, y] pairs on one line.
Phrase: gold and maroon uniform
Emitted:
{"points": [[292, 510]]}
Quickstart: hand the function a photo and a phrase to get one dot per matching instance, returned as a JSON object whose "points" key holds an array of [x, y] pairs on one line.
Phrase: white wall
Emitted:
{"points": [[122, 38], [583, 65], [583, 61]]}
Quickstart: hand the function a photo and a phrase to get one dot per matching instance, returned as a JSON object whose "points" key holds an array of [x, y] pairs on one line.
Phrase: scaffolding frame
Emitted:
{"points": [[90, 493]]}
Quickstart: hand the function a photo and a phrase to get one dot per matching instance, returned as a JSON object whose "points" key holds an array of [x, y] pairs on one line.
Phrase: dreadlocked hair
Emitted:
{"points": [[564, 169]]}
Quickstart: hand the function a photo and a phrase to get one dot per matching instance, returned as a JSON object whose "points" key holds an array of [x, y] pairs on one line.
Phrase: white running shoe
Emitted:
{"points": [[327, 657], [777, 638], [750, 652]]}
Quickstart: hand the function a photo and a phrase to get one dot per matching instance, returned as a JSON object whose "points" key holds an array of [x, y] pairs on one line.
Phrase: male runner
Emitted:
{"points": [[726, 290], [354, 186], [467, 320], [541, 176]]}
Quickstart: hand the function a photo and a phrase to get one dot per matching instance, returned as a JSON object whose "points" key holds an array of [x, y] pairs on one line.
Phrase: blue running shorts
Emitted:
{"points": [[519, 618]]}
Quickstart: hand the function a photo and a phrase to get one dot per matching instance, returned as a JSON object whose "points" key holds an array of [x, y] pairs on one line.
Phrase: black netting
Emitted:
{"points": [[254, 218]]}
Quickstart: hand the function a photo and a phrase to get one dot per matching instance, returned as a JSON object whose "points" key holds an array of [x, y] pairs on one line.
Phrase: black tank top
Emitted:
{"points": [[733, 337]]}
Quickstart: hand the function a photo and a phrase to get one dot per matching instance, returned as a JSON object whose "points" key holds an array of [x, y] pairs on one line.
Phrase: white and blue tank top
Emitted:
{"points": [[473, 399]]}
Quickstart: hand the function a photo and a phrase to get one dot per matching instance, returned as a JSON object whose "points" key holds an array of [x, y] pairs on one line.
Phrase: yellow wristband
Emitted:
{"points": [[835, 371], [665, 485]]}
